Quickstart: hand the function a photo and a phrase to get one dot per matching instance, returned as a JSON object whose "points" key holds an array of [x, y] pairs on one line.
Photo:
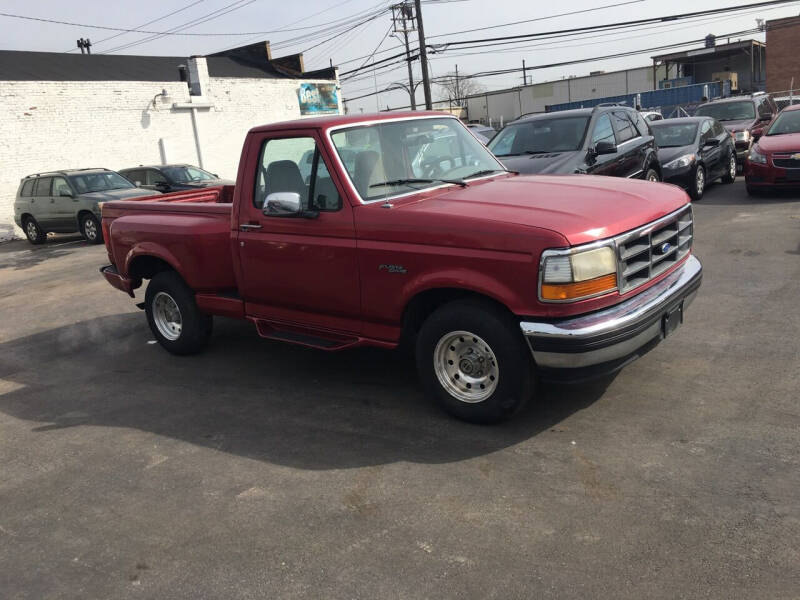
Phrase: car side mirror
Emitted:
{"points": [[711, 142], [605, 148], [286, 204]]}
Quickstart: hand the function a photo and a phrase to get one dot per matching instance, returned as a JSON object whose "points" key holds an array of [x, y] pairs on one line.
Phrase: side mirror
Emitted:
{"points": [[286, 204], [711, 142], [605, 148], [162, 185]]}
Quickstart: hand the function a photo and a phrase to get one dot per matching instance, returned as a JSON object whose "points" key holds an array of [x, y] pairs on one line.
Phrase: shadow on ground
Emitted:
{"points": [[19, 255], [252, 397]]}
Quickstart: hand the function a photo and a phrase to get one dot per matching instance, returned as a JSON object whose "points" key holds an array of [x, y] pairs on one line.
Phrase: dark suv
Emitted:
{"points": [[604, 140], [744, 116], [172, 178]]}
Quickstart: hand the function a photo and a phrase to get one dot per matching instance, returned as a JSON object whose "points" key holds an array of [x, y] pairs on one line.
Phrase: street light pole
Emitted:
{"points": [[423, 56]]}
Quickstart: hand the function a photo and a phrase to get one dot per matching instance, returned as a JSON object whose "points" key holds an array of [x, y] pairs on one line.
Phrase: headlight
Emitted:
{"points": [[573, 275], [743, 136], [756, 156], [683, 161]]}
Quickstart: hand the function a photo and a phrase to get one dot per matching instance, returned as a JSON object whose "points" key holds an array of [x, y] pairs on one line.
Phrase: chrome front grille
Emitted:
{"points": [[648, 251]]}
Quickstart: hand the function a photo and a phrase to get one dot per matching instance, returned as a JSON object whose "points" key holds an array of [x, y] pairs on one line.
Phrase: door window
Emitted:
{"points": [[154, 177], [705, 132], [623, 126], [61, 187], [717, 128], [27, 188], [42, 187], [603, 132], [282, 166], [134, 176]]}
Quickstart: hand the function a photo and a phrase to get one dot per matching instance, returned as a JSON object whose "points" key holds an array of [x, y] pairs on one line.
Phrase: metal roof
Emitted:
{"points": [[719, 49]]}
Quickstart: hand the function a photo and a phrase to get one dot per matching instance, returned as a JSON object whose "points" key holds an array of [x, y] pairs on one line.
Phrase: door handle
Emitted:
{"points": [[249, 226]]}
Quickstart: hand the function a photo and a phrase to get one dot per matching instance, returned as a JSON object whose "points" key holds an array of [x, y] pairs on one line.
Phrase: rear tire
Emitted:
{"points": [[652, 175], [473, 362], [698, 185], [730, 173], [173, 316], [33, 232], [90, 228]]}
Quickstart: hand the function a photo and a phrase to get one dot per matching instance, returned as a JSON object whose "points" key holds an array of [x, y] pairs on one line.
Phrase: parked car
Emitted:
{"points": [[494, 278], [774, 161], [605, 140], [652, 115], [68, 201], [483, 132], [744, 116], [172, 178], [695, 151]]}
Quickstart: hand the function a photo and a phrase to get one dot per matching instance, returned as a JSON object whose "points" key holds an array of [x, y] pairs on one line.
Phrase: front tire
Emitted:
{"points": [[173, 316], [473, 361], [698, 186], [33, 232], [652, 175], [730, 174], [90, 228]]}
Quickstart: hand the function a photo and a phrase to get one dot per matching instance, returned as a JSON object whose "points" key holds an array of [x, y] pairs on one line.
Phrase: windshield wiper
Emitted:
{"points": [[486, 172], [460, 182], [524, 152]]}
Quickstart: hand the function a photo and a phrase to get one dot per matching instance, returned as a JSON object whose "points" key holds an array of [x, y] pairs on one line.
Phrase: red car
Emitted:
{"points": [[405, 228], [774, 161]]}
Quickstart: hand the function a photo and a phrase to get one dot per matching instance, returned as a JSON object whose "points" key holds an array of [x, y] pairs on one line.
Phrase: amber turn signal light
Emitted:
{"points": [[570, 291]]}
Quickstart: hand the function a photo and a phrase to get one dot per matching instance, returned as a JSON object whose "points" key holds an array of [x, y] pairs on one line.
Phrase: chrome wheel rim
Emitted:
{"points": [[30, 229], [700, 181], [167, 316], [466, 366], [733, 167], [652, 177], [90, 229]]}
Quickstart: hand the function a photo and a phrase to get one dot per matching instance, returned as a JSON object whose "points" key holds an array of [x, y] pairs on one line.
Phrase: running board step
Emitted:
{"points": [[322, 340]]}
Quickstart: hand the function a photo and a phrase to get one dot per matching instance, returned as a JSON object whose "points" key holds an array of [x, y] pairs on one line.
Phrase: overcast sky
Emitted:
{"points": [[440, 17]]}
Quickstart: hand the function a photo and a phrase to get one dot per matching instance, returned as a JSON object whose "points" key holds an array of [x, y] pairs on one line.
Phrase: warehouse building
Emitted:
{"points": [[65, 111]]}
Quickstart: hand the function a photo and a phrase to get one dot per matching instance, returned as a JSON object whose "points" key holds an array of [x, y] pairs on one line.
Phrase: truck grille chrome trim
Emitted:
{"points": [[649, 251]]}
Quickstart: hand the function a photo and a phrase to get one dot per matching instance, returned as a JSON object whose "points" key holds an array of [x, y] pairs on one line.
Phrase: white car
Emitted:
{"points": [[652, 115]]}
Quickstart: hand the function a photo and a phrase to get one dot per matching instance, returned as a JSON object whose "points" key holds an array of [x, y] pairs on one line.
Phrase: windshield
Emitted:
{"points": [[99, 182], [396, 157], [728, 111], [787, 122], [186, 174], [671, 136], [540, 135]]}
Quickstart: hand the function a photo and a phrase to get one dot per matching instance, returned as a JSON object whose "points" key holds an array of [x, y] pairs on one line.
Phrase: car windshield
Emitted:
{"points": [[557, 134], [674, 135], [396, 157], [728, 111], [99, 182], [787, 122], [185, 174]]}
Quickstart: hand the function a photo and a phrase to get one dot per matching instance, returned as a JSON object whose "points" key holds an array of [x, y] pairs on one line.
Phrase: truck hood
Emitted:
{"points": [[122, 194], [544, 164], [582, 208], [788, 142]]}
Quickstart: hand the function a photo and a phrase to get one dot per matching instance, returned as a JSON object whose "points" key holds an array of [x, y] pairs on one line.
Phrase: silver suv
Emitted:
{"points": [[68, 201]]}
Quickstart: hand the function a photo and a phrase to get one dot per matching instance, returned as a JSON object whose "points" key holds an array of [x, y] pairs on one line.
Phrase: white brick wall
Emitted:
{"points": [[48, 125]]}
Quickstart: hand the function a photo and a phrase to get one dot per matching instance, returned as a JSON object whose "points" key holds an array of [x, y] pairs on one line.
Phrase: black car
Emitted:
{"points": [[694, 151], [604, 140], [744, 116], [172, 178]]}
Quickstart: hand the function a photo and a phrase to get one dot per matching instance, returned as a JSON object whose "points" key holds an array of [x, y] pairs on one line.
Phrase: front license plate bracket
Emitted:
{"points": [[672, 319]]}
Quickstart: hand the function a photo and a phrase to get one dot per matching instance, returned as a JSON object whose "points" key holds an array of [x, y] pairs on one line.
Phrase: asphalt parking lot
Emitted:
{"points": [[262, 470]]}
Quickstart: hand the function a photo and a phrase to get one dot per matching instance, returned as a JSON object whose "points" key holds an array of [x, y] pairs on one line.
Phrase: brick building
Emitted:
{"points": [[63, 111], [783, 65]]}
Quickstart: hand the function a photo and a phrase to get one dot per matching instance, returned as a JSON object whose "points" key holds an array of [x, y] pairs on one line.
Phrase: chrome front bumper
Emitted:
{"points": [[606, 340]]}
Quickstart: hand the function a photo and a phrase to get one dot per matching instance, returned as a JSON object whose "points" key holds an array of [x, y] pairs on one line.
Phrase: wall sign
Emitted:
{"points": [[318, 98]]}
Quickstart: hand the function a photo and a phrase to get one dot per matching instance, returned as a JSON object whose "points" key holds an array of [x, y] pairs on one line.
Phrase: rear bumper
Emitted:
{"points": [[118, 281], [602, 342]]}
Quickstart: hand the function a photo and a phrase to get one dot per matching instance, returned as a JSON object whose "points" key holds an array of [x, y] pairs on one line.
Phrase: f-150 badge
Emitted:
{"points": [[393, 268]]}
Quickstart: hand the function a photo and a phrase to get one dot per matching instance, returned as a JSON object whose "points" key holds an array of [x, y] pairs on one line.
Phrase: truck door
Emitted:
{"points": [[297, 270]]}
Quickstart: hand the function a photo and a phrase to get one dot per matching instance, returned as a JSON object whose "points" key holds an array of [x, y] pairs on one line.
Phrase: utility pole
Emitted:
{"points": [[423, 56], [524, 76], [457, 90], [404, 12]]}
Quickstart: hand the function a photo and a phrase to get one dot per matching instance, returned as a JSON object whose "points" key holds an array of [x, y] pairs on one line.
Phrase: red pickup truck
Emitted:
{"points": [[360, 230]]}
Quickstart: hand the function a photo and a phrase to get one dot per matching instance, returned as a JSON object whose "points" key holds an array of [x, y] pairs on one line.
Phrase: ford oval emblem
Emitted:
{"points": [[665, 247]]}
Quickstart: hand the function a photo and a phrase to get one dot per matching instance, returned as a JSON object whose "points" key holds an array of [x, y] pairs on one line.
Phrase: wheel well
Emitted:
{"points": [[25, 216], [81, 213], [146, 267], [423, 304], [654, 164]]}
